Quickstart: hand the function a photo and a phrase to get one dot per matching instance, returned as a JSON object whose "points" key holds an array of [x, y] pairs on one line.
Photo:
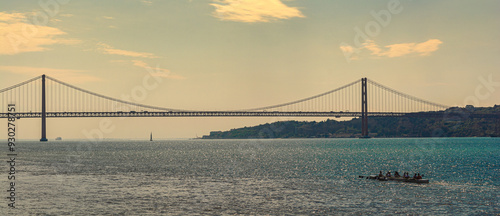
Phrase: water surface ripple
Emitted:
{"points": [[256, 177]]}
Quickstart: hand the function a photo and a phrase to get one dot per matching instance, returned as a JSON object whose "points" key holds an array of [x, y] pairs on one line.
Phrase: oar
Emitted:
{"points": [[364, 176]]}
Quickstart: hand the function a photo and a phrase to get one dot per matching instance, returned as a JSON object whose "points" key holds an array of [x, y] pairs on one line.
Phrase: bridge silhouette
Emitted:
{"points": [[46, 97]]}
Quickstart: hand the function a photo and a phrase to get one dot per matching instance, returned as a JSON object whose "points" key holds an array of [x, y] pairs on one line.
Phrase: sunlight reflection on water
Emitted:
{"points": [[298, 176]]}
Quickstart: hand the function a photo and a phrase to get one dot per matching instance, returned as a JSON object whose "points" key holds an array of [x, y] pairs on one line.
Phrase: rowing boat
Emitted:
{"points": [[400, 179]]}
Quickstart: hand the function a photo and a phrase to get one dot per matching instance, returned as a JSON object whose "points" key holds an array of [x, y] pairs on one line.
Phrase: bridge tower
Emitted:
{"points": [[44, 114], [364, 109]]}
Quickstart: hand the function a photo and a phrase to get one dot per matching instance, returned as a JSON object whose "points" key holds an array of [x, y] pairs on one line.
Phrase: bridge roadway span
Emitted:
{"points": [[248, 114]]}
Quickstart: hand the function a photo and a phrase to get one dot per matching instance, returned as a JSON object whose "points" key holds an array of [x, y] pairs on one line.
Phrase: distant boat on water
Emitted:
{"points": [[58, 138], [151, 136]]}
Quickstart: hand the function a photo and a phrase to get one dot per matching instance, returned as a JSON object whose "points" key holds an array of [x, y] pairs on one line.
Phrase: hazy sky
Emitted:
{"points": [[236, 54]]}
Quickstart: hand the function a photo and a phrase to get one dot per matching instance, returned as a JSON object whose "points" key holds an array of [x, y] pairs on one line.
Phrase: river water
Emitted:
{"points": [[254, 177]]}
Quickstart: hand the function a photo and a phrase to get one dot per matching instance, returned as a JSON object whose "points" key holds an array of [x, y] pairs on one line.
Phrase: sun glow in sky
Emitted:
{"points": [[237, 54]]}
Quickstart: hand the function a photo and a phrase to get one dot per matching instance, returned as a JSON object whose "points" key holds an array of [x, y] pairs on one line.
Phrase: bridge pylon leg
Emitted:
{"points": [[44, 114], [364, 109]]}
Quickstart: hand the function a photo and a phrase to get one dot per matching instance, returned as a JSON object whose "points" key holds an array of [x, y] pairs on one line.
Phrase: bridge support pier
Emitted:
{"points": [[44, 114], [364, 109]]}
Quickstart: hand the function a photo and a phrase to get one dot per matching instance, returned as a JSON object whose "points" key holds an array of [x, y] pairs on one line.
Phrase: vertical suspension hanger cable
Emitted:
{"points": [[26, 97], [23, 97], [52, 92], [380, 99], [384, 92], [415, 106], [50, 98], [18, 97], [60, 103], [377, 97], [412, 106], [75, 92], [47, 95], [321, 103], [349, 96], [343, 101], [29, 97], [396, 98], [33, 95], [61, 98], [37, 95], [407, 107], [78, 102], [374, 98], [75, 107], [54, 96], [394, 104], [334, 102], [352, 96], [375, 91], [405, 104], [25, 100]]}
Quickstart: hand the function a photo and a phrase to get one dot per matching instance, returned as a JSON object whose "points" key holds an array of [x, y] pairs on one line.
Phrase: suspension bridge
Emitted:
{"points": [[46, 97]]}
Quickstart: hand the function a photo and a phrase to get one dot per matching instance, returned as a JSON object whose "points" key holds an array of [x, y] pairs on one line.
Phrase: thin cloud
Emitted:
{"points": [[69, 75], [19, 36], [108, 17], [147, 2], [12, 17], [107, 49], [347, 48], [254, 11], [402, 49], [348, 51], [157, 72], [426, 48]]}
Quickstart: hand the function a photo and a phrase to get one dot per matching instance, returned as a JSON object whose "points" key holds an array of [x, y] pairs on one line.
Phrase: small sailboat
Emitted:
{"points": [[151, 136]]}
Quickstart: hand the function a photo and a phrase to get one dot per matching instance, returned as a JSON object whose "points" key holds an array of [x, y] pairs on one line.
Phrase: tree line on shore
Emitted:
{"points": [[377, 126]]}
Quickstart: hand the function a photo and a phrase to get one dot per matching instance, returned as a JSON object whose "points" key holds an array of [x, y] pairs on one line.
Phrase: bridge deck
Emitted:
{"points": [[247, 114]]}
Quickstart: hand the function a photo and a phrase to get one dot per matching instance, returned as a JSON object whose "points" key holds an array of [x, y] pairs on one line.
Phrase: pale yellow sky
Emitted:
{"points": [[237, 54]]}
